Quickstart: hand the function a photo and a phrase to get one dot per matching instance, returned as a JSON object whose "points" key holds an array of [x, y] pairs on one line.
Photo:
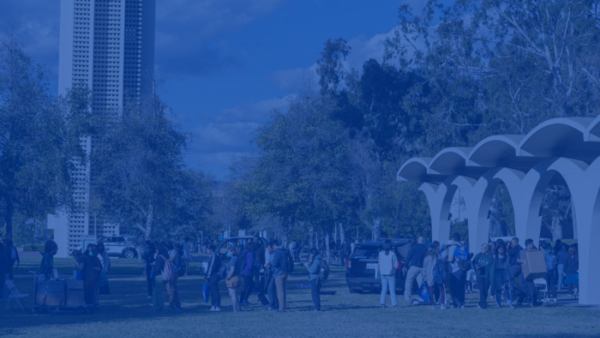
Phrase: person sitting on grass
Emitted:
{"points": [[314, 268]]}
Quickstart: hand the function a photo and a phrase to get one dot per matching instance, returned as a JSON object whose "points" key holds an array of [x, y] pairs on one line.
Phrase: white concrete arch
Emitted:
{"points": [[414, 169], [594, 127], [439, 198], [449, 160], [492, 150], [551, 136]]}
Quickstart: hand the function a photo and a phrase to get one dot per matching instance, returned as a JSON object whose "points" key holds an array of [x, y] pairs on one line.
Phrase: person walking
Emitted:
{"points": [[551, 265], [233, 280], [103, 288], [430, 264], [572, 266], [247, 272], [457, 275], [388, 263], [502, 280], [148, 257], [413, 266], [562, 256], [212, 278], [314, 268], [12, 256], [293, 248], [526, 287], [484, 270]]}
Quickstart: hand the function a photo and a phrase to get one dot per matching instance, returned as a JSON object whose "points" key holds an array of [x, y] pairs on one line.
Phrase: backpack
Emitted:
{"points": [[324, 274], [242, 261], [439, 273], [550, 261], [461, 256], [463, 264], [287, 263], [168, 272]]}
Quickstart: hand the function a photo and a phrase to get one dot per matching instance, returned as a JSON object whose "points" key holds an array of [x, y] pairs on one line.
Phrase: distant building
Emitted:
{"points": [[107, 45]]}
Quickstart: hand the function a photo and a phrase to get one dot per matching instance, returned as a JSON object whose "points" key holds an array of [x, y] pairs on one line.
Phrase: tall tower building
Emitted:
{"points": [[107, 45]]}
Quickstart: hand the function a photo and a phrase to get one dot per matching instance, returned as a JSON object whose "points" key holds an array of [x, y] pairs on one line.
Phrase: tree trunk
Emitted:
{"points": [[311, 234], [557, 232], [335, 234], [327, 250], [377, 228], [10, 211], [397, 230], [149, 220], [342, 233]]}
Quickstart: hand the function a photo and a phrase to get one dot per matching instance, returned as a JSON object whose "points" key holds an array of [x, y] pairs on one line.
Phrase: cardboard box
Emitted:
{"points": [[534, 264], [75, 293], [51, 293]]}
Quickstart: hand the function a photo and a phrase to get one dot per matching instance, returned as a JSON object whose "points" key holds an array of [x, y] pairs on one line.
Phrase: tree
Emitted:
{"points": [[139, 172], [39, 138]]}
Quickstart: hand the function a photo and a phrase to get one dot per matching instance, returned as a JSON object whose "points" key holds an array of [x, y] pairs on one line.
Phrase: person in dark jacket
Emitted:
{"points": [[484, 269], [47, 265], [212, 278], [561, 256], [572, 266], [148, 257], [413, 266], [247, 274], [12, 257], [345, 251], [158, 298], [89, 271]]}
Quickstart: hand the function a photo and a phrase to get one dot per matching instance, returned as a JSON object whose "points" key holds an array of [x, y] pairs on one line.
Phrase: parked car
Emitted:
{"points": [[119, 246], [362, 266]]}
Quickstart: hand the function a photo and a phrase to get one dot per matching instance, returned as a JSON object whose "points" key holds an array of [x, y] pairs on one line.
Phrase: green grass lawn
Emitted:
{"points": [[124, 314]]}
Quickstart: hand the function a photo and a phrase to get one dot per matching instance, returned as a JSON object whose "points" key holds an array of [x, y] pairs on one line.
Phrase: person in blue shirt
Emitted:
{"points": [[277, 292]]}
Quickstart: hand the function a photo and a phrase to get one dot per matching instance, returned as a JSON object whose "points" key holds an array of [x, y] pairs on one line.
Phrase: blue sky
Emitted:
{"points": [[228, 63]]}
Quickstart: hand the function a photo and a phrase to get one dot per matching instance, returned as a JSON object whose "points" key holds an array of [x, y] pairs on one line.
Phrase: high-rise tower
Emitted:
{"points": [[107, 45]]}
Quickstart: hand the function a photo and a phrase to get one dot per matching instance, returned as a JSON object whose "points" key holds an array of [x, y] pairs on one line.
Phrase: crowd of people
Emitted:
{"points": [[264, 269], [496, 270]]}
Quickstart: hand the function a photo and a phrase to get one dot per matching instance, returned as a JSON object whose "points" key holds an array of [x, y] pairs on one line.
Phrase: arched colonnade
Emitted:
{"points": [[562, 151]]}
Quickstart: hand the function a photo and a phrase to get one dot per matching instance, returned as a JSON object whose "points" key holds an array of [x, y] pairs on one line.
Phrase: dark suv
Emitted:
{"points": [[361, 268]]}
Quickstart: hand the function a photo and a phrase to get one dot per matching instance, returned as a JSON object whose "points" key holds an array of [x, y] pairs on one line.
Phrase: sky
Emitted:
{"points": [[226, 64]]}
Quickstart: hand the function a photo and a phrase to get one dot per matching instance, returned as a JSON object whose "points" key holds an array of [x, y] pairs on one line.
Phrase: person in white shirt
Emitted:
{"points": [[388, 263]]}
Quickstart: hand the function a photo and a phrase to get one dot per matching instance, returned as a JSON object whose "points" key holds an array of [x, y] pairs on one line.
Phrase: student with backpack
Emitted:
{"points": [[314, 269], [551, 265], [484, 270], [233, 280], [246, 273], [458, 271], [434, 274], [213, 278], [388, 263]]}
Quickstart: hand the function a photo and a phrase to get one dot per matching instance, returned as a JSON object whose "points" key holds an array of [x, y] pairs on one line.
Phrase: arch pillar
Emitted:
{"points": [[584, 184]]}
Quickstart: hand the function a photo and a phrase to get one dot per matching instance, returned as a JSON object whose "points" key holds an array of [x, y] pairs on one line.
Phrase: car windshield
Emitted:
{"points": [[366, 251]]}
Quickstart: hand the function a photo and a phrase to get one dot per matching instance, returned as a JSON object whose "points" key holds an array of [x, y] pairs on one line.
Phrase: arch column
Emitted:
{"points": [[584, 185]]}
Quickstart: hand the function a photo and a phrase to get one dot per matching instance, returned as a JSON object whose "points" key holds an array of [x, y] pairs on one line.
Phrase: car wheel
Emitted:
{"points": [[129, 253]]}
